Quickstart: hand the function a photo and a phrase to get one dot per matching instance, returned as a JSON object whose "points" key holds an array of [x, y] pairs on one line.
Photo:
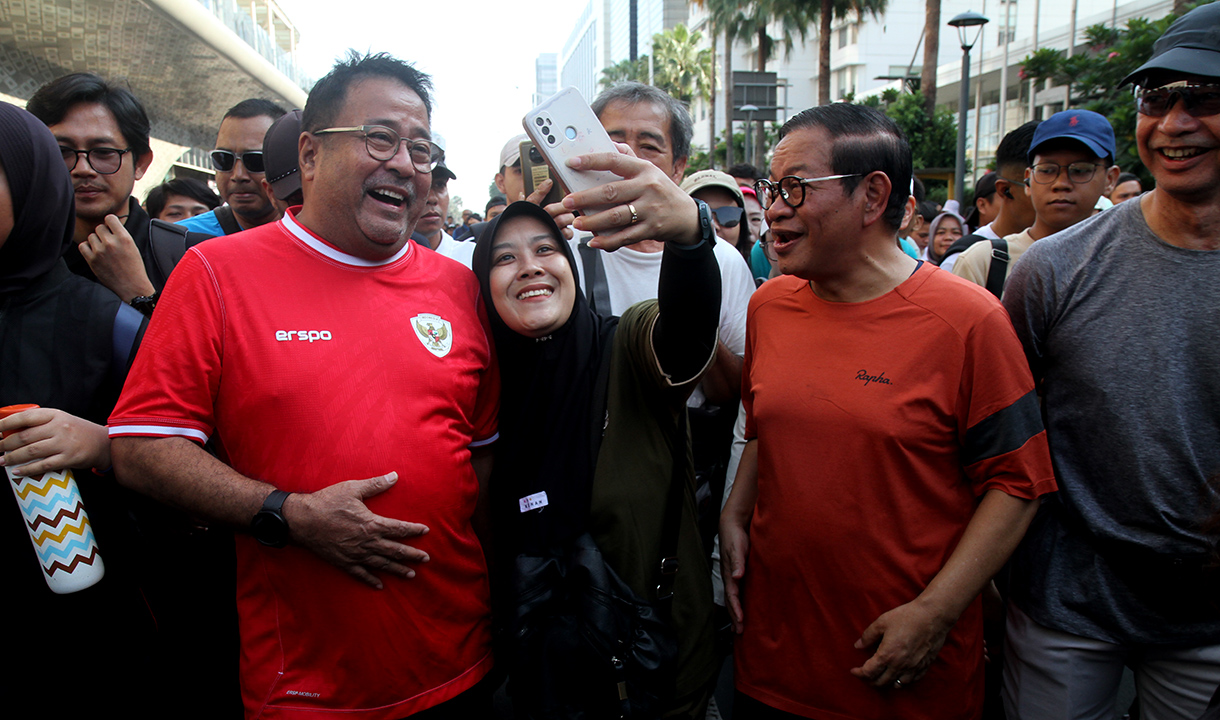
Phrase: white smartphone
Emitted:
{"points": [[564, 126]]}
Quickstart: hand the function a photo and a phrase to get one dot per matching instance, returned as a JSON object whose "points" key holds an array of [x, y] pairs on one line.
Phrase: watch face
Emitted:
{"points": [[270, 529]]}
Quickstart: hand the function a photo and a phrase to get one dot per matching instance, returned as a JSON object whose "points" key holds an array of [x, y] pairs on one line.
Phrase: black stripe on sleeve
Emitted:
{"points": [[1004, 430]]}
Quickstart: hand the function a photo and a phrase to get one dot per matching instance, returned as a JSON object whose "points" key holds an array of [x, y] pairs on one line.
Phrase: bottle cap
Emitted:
{"points": [[13, 410]]}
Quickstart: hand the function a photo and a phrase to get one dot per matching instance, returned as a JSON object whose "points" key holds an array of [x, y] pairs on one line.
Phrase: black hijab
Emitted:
{"points": [[546, 407], [44, 212]]}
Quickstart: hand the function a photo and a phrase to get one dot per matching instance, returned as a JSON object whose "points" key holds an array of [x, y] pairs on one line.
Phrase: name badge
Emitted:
{"points": [[533, 502]]}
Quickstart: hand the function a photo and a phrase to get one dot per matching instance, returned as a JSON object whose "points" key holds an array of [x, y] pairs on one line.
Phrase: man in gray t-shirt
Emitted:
{"points": [[1120, 319]]}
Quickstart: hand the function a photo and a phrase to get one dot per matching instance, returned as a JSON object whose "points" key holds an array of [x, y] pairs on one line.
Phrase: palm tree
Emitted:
{"points": [[680, 67], [829, 11], [726, 17], [931, 50], [625, 70]]}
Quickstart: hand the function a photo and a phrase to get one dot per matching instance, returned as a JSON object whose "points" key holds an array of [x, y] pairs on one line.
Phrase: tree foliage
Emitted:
{"points": [[1092, 78], [933, 138], [680, 67], [700, 159], [625, 71]]}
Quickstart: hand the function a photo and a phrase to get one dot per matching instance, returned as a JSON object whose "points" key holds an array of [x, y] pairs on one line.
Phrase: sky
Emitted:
{"points": [[480, 55]]}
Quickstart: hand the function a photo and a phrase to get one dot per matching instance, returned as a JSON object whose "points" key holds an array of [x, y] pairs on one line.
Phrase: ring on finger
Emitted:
{"points": [[634, 216], [897, 684]]}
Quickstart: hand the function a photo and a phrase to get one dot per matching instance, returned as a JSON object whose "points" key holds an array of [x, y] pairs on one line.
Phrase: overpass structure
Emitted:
{"points": [[186, 60]]}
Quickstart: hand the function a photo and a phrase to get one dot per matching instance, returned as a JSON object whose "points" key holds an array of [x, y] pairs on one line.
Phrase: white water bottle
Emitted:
{"points": [[55, 517]]}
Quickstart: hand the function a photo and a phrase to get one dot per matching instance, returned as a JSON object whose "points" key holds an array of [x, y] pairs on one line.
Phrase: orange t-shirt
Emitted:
{"points": [[879, 425]]}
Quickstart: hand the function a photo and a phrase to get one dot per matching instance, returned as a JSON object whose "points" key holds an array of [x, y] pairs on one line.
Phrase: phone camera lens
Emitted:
{"points": [[540, 122], [535, 156], [550, 139]]}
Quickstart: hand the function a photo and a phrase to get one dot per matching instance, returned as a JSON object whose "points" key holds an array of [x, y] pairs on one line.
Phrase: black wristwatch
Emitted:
{"points": [[269, 526], [707, 231], [145, 304]]}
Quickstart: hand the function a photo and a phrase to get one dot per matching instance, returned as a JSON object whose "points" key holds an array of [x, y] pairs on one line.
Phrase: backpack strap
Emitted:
{"points": [[128, 322], [169, 244], [998, 271], [228, 223], [597, 289]]}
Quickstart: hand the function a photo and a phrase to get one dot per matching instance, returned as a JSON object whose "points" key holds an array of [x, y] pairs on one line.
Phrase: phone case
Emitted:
{"points": [[564, 126], [536, 172]]}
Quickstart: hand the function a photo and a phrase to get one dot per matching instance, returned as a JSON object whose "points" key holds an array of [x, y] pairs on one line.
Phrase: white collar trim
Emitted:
{"points": [[313, 241]]}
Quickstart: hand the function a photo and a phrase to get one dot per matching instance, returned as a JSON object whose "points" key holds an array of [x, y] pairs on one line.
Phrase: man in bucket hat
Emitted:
{"points": [[1120, 319]]}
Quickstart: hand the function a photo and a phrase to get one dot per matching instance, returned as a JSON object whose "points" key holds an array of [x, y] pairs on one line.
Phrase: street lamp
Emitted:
{"points": [[749, 110], [962, 22]]}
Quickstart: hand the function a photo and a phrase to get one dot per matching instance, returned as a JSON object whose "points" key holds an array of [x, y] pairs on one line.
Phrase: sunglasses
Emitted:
{"points": [[728, 216], [223, 160], [1197, 100]]}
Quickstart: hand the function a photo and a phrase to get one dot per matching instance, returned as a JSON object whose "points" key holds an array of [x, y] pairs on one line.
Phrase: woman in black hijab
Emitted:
{"points": [[64, 345], [591, 421]]}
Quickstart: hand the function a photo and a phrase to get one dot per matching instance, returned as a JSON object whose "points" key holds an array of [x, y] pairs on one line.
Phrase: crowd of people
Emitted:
{"points": [[346, 458]]}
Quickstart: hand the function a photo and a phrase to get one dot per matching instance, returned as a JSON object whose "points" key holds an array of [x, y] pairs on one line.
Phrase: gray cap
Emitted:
{"points": [[1191, 46]]}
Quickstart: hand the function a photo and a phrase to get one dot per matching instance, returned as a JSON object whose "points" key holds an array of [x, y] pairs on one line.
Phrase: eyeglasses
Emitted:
{"points": [[103, 160], [728, 216], [1197, 100], [223, 160], [768, 246], [382, 144], [1078, 172], [788, 188]]}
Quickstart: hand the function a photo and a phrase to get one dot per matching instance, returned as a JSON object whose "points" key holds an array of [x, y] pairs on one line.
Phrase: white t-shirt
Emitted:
{"points": [[632, 276], [463, 252]]}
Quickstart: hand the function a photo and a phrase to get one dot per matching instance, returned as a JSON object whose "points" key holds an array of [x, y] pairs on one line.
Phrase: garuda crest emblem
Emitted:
{"points": [[435, 333]]}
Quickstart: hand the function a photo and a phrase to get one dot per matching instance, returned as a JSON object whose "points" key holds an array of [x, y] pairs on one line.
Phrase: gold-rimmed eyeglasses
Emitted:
{"points": [[382, 144]]}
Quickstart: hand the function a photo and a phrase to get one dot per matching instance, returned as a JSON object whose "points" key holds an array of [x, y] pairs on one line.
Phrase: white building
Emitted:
{"points": [[546, 76], [602, 36]]}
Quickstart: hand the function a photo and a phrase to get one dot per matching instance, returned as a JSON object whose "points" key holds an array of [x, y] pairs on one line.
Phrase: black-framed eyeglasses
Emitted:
{"points": [[728, 216], [224, 160], [790, 188], [1197, 100], [103, 160], [1078, 172], [382, 144]]}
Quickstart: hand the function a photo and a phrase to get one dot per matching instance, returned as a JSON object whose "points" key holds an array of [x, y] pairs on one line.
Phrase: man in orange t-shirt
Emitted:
{"points": [[895, 448]]}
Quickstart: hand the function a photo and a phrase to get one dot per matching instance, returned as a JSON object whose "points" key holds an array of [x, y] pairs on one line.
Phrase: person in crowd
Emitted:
{"points": [[1015, 211], [912, 221], [281, 179], [240, 170], [1127, 187], [728, 204], [1071, 168], [508, 179], [474, 219], [102, 131], [64, 345], [1120, 320], [430, 230], [895, 451], [983, 207], [362, 584], [495, 206], [921, 232], [944, 230], [552, 348], [745, 174], [180, 199]]}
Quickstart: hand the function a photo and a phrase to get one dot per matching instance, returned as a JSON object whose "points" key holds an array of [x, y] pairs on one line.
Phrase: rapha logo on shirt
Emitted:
{"points": [[880, 379], [434, 332], [309, 336]]}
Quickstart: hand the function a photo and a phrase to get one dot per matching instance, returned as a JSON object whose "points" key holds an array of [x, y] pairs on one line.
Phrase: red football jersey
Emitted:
{"points": [[310, 367]]}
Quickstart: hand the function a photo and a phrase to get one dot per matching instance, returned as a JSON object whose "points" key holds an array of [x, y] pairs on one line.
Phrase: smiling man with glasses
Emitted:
{"points": [[1120, 319], [894, 448], [238, 162], [347, 374]]}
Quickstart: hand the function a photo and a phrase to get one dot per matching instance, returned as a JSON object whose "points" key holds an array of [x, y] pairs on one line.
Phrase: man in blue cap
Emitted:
{"points": [[1071, 165], [1120, 319]]}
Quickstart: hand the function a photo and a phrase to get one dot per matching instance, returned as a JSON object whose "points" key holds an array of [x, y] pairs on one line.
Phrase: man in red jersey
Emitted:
{"points": [[347, 380], [894, 448]]}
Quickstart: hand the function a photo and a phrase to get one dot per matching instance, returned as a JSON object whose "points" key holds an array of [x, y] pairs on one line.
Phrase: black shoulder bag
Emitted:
{"points": [[583, 645]]}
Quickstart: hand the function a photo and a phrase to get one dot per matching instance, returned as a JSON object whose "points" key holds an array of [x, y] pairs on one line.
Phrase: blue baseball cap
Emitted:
{"points": [[1084, 126]]}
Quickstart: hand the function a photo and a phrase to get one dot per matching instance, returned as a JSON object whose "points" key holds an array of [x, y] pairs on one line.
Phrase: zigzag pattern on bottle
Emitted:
{"points": [[33, 507], [78, 560], [79, 546], [64, 513], [68, 529], [53, 480]]}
